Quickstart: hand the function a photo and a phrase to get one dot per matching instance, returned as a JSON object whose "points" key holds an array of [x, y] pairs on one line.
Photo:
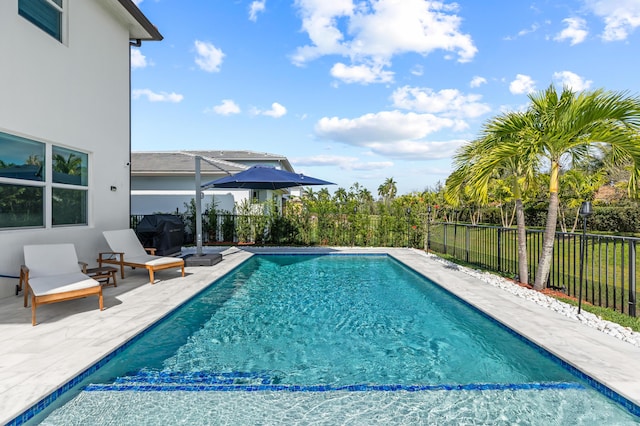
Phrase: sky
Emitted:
{"points": [[359, 91]]}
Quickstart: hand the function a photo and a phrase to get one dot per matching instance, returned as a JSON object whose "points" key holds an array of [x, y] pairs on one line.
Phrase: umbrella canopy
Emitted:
{"points": [[260, 177]]}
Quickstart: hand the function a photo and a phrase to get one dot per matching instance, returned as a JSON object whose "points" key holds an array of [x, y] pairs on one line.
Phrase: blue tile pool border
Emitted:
{"points": [[41, 405], [364, 387]]}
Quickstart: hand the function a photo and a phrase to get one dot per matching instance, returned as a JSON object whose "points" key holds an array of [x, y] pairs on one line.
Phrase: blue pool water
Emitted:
{"points": [[331, 340]]}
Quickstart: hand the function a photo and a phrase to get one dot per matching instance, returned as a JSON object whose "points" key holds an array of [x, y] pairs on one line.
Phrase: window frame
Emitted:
{"points": [[62, 18], [49, 186]]}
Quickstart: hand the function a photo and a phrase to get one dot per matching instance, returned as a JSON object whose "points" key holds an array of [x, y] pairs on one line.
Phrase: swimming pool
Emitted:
{"points": [[328, 339]]}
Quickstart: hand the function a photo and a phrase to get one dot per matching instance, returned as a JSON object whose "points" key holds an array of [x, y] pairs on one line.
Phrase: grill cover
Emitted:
{"points": [[165, 232]]}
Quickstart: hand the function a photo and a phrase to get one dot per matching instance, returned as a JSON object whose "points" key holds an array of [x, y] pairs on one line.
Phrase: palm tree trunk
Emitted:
{"points": [[513, 214], [523, 263], [544, 264]]}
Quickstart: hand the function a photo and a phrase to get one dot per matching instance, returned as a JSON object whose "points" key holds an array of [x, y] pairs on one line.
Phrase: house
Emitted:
{"points": [[64, 124], [163, 182]]}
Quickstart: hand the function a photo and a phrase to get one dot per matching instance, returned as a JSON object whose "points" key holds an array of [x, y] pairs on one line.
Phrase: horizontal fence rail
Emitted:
{"points": [[610, 262]]}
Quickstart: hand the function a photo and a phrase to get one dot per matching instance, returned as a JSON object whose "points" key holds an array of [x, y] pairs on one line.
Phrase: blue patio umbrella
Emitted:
{"points": [[261, 177]]}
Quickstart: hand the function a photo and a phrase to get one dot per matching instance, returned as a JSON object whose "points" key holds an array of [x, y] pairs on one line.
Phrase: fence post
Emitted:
{"points": [[445, 238], [499, 249], [632, 278], [466, 243]]}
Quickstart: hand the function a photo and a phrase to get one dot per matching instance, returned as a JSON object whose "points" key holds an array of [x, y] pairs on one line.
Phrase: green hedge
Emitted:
{"points": [[624, 219]]}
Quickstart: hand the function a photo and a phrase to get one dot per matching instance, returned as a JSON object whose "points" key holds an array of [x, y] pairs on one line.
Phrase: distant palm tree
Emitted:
{"points": [[308, 194], [559, 126], [340, 196], [388, 190], [579, 185]]}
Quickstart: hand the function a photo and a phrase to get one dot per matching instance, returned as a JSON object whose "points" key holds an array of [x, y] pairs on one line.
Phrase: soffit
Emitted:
{"points": [[140, 28]]}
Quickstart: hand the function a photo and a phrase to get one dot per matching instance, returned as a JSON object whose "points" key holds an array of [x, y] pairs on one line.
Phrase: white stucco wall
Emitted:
{"points": [[167, 201], [165, 194], [76, 95]]}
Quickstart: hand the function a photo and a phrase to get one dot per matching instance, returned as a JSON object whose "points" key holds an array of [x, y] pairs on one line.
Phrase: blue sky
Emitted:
{"points": [[360, 91]]}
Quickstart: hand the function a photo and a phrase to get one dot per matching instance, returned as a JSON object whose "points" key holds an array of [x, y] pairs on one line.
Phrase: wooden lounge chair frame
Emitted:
{"points": [[51, 296], [143, 257]]}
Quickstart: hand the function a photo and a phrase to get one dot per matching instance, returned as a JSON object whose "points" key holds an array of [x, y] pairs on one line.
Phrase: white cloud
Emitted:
{"points": [[227, 107], [255, 8], [362, 74], [383, 127], [138, 60], [157, 97], [417, 70], [534, 27], [621, 17], [137, 2], [477, 81], [344, 163], [572, 81], [276, 111], [418, 150], [209, 57], [522, 84], [575, 31], [447, 102], [373, 32]]}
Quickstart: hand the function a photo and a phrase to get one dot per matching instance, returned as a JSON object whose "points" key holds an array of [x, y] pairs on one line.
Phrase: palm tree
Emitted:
{"points": [[493, 156], [340, 197], [388, 190], [70, 165], [308, 194], [578, 185], [562, 126]]}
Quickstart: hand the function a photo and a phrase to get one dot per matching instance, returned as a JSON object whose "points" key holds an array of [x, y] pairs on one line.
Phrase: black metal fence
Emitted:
{"points": [[610, 262]]}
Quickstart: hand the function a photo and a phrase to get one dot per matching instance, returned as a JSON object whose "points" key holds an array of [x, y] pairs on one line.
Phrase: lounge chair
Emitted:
{"points": [[51, 273], [126, 250]]}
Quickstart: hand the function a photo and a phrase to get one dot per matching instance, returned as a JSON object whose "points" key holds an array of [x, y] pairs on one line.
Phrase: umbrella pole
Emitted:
{"points": [[198, 209]]}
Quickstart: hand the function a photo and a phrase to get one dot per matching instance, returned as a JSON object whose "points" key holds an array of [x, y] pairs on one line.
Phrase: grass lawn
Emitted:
{"points": [[604, 313]]}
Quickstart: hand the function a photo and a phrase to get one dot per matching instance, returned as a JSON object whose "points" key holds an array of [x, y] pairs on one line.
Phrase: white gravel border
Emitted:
{"points": [[623, 333]]}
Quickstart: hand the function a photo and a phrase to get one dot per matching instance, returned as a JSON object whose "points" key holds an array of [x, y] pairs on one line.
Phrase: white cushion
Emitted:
{"points": [[151, 260], [55, 284]]}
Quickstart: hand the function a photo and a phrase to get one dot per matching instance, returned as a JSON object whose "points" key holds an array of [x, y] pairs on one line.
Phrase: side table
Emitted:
{"points": [[104, 275]]}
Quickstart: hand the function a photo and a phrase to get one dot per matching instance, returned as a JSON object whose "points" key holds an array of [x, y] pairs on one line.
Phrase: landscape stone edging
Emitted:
{"points": [[625, 334]]}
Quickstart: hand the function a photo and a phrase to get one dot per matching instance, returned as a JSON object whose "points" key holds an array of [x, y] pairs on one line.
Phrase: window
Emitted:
{"points": [[26, 189], [45, 14], [69, 207], [22, 176], [69, 189], [69, 166], [21, 206]]}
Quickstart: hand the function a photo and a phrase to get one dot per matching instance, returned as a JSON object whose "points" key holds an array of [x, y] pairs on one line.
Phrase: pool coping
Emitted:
{"points": [[73, 336]]}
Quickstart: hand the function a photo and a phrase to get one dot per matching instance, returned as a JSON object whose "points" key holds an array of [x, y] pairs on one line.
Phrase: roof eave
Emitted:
{"points": [[140, 27]]}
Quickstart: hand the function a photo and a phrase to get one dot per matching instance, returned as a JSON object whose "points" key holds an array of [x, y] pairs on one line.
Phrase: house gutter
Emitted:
{"points": [[137, 14]]}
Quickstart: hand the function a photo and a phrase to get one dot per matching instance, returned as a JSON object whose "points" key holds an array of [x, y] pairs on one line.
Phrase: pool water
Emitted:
{"points": [[332, 339]]}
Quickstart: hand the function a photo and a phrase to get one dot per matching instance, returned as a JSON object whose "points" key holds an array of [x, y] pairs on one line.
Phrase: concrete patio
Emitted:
{"points": [[71, 336]]}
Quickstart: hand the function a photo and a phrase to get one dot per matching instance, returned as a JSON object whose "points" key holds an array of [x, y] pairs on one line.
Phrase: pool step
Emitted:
{"points": [[159, 381]]}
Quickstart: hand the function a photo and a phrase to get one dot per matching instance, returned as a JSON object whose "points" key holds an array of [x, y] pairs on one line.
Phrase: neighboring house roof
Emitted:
{"points": [[140, 28], [246, 157], [182, 163], [178, 163]]}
